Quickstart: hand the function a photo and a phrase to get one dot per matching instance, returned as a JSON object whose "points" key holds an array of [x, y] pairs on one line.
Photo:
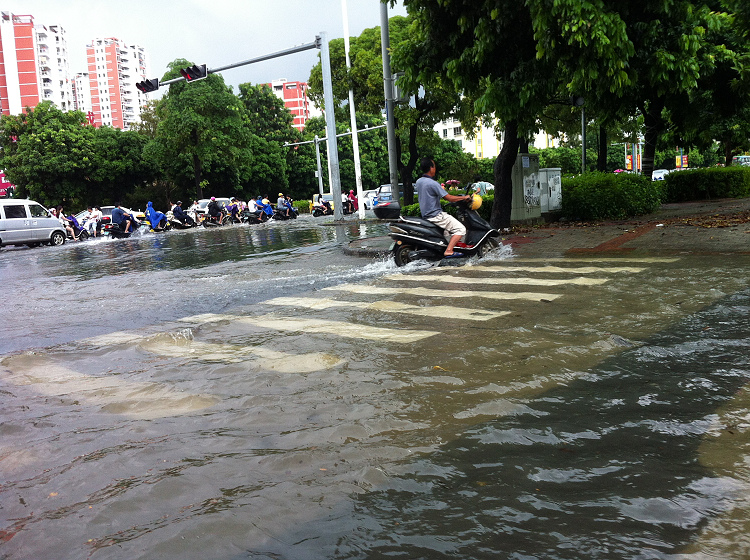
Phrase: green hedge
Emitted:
{"points": [[713, 182], [484, 210], [609, 196]]}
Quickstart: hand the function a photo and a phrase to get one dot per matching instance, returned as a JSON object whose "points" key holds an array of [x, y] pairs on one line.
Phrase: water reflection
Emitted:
{"points": [[605, 467]]}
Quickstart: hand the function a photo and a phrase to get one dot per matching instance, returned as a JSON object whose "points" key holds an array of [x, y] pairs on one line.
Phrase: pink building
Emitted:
{"points": [[114, 69], [19, 72], [294, 95]]}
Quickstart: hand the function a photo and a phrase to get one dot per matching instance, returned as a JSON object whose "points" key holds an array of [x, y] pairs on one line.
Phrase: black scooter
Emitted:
{"points": [[416, 238]]}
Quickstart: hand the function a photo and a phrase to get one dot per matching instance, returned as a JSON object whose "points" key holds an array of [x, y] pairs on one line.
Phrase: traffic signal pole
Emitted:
{"points": [[197, 72]]}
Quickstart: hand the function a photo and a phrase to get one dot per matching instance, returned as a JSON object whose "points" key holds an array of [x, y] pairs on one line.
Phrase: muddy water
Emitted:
{"points": [[255, 394]]}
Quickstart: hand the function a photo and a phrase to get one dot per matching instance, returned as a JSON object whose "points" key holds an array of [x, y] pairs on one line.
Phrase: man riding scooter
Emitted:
{"points": [[430, 192]]}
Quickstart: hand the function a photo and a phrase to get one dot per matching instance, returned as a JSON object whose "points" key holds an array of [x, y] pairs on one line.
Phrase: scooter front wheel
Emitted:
{"points": [[401, 254]]}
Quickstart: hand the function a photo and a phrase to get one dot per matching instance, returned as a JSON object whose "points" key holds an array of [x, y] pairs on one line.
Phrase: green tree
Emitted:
{"points": [[413, 123], [203, 133], [48, 154]]}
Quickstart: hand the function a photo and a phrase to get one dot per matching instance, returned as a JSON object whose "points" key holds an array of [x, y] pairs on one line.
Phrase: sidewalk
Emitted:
{"points": [[708, 227]]}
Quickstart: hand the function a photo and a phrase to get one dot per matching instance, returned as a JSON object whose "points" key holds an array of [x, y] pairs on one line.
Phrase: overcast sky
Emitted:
{"points": [[214, 32]]}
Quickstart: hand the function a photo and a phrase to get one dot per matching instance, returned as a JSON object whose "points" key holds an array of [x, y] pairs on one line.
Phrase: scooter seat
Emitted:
{"points": [[416, 221]]}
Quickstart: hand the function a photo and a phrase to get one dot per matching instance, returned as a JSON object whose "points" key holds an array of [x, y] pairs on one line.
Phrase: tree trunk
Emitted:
{"points": [[728, 154], [197, 173], [407, 171], [503, 168], [523, 145], [653, 123], [601, 159]]}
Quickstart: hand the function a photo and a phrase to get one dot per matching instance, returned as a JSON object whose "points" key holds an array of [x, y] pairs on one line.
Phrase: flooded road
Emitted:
{"points": [[254, 393]]}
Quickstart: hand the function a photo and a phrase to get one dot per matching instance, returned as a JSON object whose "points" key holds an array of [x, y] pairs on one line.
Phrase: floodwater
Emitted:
{"points": [[250, 392]]}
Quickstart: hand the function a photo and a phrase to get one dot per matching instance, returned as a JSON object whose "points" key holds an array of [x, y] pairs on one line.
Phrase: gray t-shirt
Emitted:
{"points": [[429, 192]]}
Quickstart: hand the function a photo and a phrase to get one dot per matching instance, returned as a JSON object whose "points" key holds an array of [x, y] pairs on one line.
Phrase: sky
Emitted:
{"points": [[212, 32]]}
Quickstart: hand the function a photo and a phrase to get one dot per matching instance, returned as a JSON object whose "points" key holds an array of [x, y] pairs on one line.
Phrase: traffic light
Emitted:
{"points": [[194, 72], [147, 86]]}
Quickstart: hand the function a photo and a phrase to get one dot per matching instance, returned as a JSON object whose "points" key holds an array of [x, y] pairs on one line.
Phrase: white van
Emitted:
{"points": [[25, 222]]}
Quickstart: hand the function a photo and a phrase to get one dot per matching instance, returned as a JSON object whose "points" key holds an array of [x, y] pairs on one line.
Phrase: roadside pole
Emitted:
{"points": [[200, 72], [389, 104], [333, 148], [353, 118]]}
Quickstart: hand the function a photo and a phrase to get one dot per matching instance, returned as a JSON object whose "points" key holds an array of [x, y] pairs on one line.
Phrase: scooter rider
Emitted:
{"points": [[430, 192], [122, 218], [181, 215], [214, 210]]}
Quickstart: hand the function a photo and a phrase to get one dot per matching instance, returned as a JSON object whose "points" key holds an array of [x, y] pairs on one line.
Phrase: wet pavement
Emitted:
{"points": [[270, 397], [706, 227]]}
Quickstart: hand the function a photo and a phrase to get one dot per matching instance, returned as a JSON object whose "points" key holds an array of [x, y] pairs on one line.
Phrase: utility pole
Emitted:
{"points": [[385, 41], [333, 148], [353, 117]]}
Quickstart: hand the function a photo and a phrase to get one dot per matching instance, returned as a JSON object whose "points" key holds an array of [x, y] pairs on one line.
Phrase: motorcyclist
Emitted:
{"points": [[122, 219], [214, 210], [180, 215], [233, 209], [158, 220], [430, 192], [281, 205], [325, 204]]}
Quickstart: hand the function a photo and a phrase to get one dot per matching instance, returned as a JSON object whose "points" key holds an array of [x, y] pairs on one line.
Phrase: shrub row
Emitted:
{"points": [[609, 196], [700, 184], [484, 211]]}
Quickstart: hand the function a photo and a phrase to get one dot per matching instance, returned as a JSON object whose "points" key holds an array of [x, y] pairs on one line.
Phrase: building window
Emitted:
{"points": [[457, 131], [445, 133]]}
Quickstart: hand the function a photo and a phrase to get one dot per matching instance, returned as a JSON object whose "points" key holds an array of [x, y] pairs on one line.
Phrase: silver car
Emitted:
{"points": [[25, 222]]}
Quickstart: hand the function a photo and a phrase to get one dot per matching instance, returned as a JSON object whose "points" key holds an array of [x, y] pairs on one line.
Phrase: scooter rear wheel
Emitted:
{"points": [[488, 246], [401, 254]]}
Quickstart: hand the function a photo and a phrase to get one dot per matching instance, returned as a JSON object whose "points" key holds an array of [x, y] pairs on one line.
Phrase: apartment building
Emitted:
{"points": [[33, 64], [485, 143], [294, 96], [114, 68]]}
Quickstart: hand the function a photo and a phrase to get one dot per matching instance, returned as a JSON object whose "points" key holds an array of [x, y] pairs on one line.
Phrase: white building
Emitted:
{"points": [[82, 93], [114, 68], [56, 82], [486, 143]]}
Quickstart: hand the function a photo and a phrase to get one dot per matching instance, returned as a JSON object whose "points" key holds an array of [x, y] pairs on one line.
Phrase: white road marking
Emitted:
{"points": [[427, 292], [259, 358], [338, 328], [557, 269], [498, 281], [135, 399], [442, 311], [597, 259]]}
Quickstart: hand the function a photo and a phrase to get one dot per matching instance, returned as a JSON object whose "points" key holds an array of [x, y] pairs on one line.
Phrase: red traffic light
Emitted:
{"points": [[194, 72], [147, 86]]}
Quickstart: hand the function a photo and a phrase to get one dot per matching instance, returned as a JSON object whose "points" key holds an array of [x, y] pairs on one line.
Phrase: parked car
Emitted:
{"points": [[25, 222], [367, 198], [741, 160], [660, 174]]}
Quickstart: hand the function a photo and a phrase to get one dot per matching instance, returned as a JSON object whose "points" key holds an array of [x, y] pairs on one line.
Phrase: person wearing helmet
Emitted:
{"points": [[214, 210], [430, 192], [181, 215]]}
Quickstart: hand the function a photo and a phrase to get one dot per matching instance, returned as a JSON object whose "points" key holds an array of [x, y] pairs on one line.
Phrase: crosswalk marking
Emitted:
{"points": [[555, 269], [595, 259], [497, 281], [380, 290], [264, 358], [442, 311], [135, 399], [338, 328]]}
